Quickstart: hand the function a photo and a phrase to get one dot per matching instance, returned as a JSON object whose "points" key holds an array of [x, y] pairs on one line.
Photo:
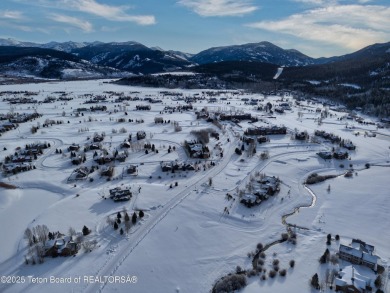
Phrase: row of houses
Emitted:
{"points": [[96, 99], [178, 108], [7, 126], [14, 168], [120, 194], [24, 117], [143, 107], [153, 101], [21, 160], [270, 130], [338, 155], [328, 136], [126, 98], [105, 159], [21, 100], [236, 116], [98, 108], [177, 166], [266, 186], [260, 139]]}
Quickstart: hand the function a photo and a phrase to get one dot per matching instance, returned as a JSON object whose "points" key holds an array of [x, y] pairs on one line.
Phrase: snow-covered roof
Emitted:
{"points": [[351, 276], [196, 147], [363, 246], [370, 258], [350, 250], [249, 197]]}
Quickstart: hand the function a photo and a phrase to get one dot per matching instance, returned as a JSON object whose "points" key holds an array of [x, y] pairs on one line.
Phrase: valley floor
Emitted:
{"points": [[191, 234]]}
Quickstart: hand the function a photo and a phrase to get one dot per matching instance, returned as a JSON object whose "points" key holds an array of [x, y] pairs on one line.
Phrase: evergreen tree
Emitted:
{"points": [[121, 231], [134, 218], [328, 239], [324, 258], [86, 231], [314, 281], [378, 281], [127, 218], [118, 215], [116, 226], [141, 214]]}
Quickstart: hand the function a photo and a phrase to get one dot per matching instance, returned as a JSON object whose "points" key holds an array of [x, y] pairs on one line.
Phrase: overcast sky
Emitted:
{"points": [[314, 27]]}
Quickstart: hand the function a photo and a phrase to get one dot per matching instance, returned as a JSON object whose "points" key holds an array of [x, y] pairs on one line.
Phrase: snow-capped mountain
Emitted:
{"points": [[133, 57], [59, 46], [13, 42], [65, 47], [263, 51], [137, 58], [48, 63]]}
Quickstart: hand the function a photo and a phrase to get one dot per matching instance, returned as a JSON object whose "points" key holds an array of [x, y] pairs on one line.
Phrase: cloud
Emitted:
{"points": [[209, 8], [11, 14], [73, 21], [24, 28], [348, 26], [109, 12], [318, 2], [115, 13]]}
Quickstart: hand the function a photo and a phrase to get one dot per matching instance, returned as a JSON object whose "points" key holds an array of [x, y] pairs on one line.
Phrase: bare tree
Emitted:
{"points": [[40, 252], [127, 226], [89, 245], [71, 231], [29, 236], [41, 232]]}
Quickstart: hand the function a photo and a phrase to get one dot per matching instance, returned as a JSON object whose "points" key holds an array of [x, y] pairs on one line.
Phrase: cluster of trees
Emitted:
{"points": [[126, 218], [230, 283], [202, 135], [38, 234], [205, 81], [373, 101]]}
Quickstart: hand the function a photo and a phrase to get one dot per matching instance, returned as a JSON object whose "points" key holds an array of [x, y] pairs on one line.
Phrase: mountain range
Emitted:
{"points": [[114, 59]]}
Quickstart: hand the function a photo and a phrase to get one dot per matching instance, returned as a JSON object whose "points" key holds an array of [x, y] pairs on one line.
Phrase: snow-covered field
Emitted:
{"points": [[186, 241]]}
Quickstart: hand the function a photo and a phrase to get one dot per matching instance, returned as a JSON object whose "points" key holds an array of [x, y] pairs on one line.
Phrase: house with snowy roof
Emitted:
{"points": [[349, 279], [360, 253], [61, 246]]}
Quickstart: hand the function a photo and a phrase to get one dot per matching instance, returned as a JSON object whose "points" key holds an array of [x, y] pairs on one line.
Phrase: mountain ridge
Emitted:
{"points": [[136, 58]]}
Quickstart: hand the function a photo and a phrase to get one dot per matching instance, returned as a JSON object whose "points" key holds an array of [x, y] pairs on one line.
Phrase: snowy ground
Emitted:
{"points": [[185, 242]]}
